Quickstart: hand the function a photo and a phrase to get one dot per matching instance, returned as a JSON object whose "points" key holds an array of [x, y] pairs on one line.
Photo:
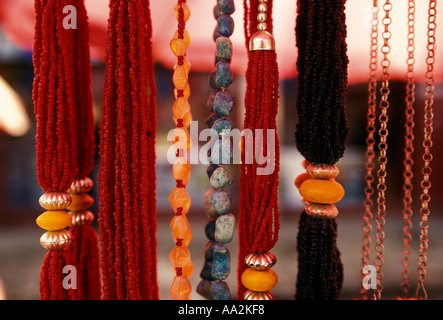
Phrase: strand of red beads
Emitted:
{"points": [[220, 227], [181, 230]]}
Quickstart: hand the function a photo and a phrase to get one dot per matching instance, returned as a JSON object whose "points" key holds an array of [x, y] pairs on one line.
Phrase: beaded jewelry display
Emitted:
{"points": [[127, 178], [320, 137], [259, 215], [181, 230], [220, 228]]}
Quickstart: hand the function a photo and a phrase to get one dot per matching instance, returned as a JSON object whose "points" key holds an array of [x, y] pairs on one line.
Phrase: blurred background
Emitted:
{"points": [[21, 254]]}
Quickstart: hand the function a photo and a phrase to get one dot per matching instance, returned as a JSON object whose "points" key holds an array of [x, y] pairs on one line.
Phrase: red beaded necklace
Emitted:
{"points": [[127, 179]]}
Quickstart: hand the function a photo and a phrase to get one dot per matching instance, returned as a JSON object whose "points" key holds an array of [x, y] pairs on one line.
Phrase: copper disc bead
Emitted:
{"points": [[258, 295], [322, 171], [321, 211], [54, 201], [56, 240], [79, 186], [81, 218], [260, 261]]}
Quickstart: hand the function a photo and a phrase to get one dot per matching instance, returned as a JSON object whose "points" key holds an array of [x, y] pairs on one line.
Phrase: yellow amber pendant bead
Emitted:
{"points": [[179, 256], [180, 226], [322, 191], [180, 78], [186, 240], [186, 11], [54, 220], [178, 46], [180, 138], [180, 288], [186, 37], [180, 107], [301, 178], [81, 202], [256, 280], [181, 170], [179, 198]]}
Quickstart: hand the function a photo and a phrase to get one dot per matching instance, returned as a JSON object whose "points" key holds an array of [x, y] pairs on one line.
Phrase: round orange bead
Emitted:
{"points": [[54, 220], [181, 170], [180, 226], [179, 198], [180, 288], [80, 202], [322, 191], [301, 178], [256, 280]]}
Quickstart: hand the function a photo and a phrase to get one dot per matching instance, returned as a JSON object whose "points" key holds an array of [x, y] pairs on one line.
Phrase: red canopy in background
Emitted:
{"points": [[17, 22]]}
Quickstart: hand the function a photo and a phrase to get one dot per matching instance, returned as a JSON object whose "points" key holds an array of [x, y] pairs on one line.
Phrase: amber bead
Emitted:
{"points": [[54, 220], [181, 170], [180, 138], [180, 226], [186, 37], [301, 178], [186, 120], [179, 256], [259, 280], [186, 11], [186, 92], [178, 46], [180, 107], [180, 288], [81, 202], [321, 191], [185, 242], [179, 198], [180, 78]]}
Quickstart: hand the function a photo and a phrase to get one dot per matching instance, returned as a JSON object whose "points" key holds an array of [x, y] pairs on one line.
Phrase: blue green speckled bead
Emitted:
{"points": [[209, 250], [220, 263], [211, 168], [210, 229], [226, 6], [223, 103], [225, 25], [224, 228], [221, 152], [221, 200], [222, 76], [210, 102], [217, 13], [220, 178], [216, 34], [204, 289], [206, 272], [209, 207], [219, 290], [223, 126], [223, 48]]}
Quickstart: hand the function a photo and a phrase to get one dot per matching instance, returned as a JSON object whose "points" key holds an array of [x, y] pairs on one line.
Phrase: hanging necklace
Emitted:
{"points": [[181, 230], [220, 228], [258, 213], [320, 134], [127, 178]]}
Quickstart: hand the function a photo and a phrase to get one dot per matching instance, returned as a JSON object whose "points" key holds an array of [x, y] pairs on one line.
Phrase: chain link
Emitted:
{"points": [[383, 147], [408, 151], [370, 142], [427, 156]]}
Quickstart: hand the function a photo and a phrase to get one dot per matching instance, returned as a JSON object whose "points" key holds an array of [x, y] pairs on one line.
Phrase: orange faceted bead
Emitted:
{"points": [[180, 288], [180, 226], [256, 280], [187, 119], [186, 92], [186, 240], [322, 191], [188, 269], [180, 107], [179, 198], [186, 37], [178, 46], [301, 178], [181, 170], [179, 256], [186, 11], [180, 138], [180, 77]]}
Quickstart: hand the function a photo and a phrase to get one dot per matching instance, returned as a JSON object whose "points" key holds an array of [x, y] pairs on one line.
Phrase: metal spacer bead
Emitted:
{"points": [[321, 211], [260, 261], [81, 218], [258, 295], [56, 240], [305, 163], [54, 201], [262, 26], [79, 186], [322, 171], [262, 17], [262, 1], [262, 8], [262, 40]]}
